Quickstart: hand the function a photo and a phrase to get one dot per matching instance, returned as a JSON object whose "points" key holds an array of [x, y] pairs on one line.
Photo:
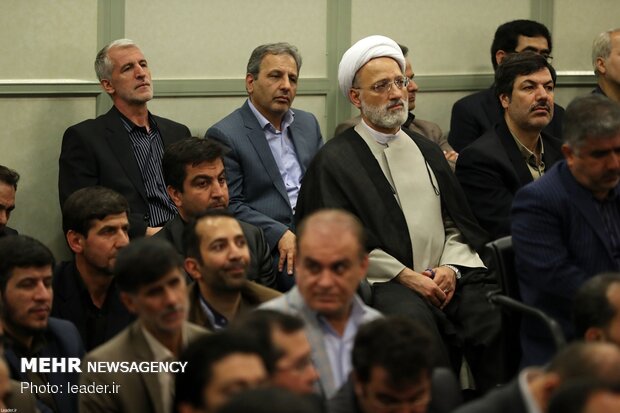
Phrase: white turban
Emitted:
{"points": [[363, 51]]}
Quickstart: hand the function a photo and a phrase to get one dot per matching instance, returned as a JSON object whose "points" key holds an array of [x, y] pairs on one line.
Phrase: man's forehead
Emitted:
{"points": [[540, 76], [380, 66], [121, 54], [32, 271], [218, 227], [215, 166]]}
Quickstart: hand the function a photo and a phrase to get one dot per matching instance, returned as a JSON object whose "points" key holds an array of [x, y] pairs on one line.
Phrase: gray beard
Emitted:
{"points": [[383, 118]]}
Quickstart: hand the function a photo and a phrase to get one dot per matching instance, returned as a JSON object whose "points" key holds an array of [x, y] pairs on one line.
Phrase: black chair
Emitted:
{"points": [[509, 299]]}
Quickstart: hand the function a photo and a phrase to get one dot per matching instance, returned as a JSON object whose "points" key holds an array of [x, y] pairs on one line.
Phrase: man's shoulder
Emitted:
{"points": [[471, 101], [168, 122], [488, 142], [304, 115], [506, 399], [233, 120], [257, 294], [115, 349]]}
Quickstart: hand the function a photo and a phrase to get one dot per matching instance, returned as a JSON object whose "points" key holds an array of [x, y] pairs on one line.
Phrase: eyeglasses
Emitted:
{"points": [[384, 86]]}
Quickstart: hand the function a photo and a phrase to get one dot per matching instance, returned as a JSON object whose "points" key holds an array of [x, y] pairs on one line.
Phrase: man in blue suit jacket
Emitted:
{"points": [[26, 292], [566, 225], [270, 146]]}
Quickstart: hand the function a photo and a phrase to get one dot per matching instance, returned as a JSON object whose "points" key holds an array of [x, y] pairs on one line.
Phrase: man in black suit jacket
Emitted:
{"points": [[29, 331], [8, 187], [196, 181], [95, 225], [516, 151], [122, 149], [531, 391], [475, 114]]}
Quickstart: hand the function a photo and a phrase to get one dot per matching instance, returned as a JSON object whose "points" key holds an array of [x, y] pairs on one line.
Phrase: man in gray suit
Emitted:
{"points": [[271, 145], [331, 264], [149, 274]]}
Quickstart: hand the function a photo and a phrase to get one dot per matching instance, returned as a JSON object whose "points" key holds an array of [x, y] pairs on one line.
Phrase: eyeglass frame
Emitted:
{"points": [[386, 84]]}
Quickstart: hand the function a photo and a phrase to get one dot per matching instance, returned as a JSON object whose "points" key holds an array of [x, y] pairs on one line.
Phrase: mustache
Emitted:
{"points": [[236, 265], [173, 309], [395, 102], [542, 105]]}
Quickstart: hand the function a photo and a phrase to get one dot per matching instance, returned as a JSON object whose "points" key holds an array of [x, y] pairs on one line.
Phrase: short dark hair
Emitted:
{"points": [[263, 322], [403, 347], [404, 49], [9, 176], [591, 308], [507, 36], [191, 238], [519, 64], [145, 261], [206, 351], [21, 251], [268, 400], [89, 204], [188, 151], [590, 116]]}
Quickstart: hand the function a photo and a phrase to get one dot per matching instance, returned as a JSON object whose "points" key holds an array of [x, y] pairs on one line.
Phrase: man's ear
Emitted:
{"points": [[192, 267], [75, 241], [107, 87], [504, 99], [600, 65], [354, 97], [175, 195], [128, 301], [249, 83], [499, 56], [594, 334]]}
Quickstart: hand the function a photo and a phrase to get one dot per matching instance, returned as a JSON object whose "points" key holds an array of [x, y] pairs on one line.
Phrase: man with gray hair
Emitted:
{"points": [[122, 149], [271, 145], [606, 62], [422, 236], [566, 225]]}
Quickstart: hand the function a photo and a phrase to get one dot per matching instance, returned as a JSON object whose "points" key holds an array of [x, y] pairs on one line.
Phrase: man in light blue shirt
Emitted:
{"points": [[331, 262], [270, 146]]}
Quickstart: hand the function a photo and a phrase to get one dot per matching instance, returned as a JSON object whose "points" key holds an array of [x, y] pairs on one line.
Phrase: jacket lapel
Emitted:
{"points": [[118, 139], [583, 202], [256, 136], [513, 153], [144, 353]]}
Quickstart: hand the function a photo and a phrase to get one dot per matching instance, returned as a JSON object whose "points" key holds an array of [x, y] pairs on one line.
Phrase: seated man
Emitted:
{"points": [[149, 274], [565, 225], [392, 367], [332, 263], [585, 396], [8, 187], [422, 236], [218, 366], [122, 149], [596, 309], [534, 387], [218, 259], [26, 291], [294, 370], [271, 145], [605, 50], [196, 182], [425, 128], [477, 113], [516, 151], [95, 223]]}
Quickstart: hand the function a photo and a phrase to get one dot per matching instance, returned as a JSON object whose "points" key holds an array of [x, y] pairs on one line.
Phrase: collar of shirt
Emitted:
{"points": [[529, 156], [524, 379], [129, 125], [287, 120], [217, 320], [356, 318], [160, 352], [382, 138]]}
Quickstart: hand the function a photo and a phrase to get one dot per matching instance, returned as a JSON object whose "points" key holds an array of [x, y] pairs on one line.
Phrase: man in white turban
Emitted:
{"points": [[422, 235]]}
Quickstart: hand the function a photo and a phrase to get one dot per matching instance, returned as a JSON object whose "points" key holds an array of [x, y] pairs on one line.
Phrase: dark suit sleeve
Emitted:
{"points": [[238, 205], [481, 178], [541, 257], [77, 165], [261, 267], [464, 127]]}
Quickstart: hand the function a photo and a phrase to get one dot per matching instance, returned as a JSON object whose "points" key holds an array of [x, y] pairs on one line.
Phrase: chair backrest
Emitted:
{"points": [[504, 258]]}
